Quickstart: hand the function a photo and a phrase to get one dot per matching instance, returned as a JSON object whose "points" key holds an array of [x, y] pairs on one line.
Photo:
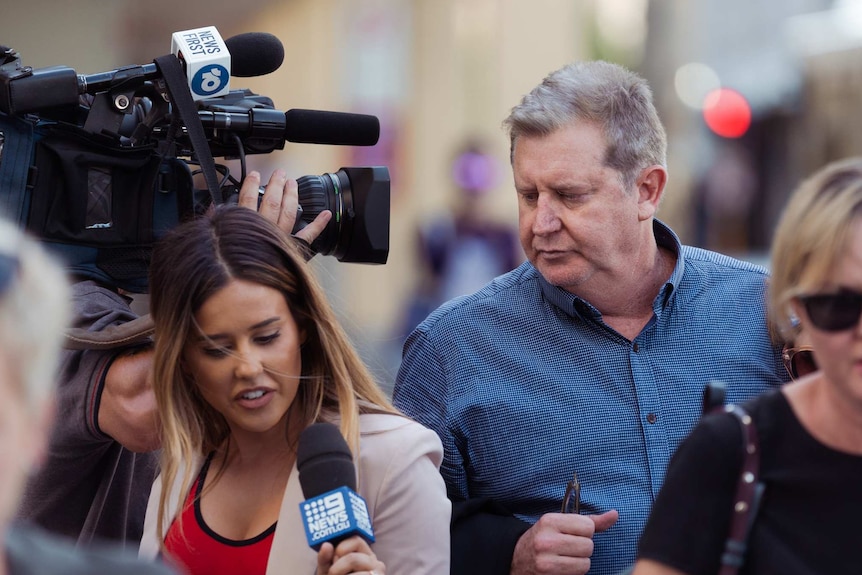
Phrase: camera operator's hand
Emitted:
{"points": [[279, 204]]}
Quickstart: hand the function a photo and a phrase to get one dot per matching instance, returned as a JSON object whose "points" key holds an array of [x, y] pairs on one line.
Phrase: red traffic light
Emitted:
{"points": [[727, 113]]}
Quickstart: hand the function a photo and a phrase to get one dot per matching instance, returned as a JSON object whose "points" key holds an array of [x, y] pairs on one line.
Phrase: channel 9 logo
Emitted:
{"points": [[336, 514]]}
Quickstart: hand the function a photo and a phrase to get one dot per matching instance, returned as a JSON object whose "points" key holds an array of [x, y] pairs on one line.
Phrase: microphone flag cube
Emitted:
{"points": [[335, 515], [206, 60]]}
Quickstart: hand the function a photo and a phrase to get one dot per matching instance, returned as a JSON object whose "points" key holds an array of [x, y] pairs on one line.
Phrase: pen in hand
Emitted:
{"points": [[572, 498]]}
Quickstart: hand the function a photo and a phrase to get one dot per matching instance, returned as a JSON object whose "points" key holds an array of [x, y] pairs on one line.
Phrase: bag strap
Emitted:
{"points": [[749, 488], [714, 395], [185, 110]]}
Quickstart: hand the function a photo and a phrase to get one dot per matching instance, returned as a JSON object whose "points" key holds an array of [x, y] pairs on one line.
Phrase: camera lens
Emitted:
{"points": [[359, 201], [319, 193]]}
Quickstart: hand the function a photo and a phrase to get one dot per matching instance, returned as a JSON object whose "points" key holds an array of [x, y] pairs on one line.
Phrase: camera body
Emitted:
{"points": [[101, 177]]}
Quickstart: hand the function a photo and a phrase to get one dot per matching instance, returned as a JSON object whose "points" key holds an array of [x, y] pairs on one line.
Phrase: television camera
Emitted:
{"points": [[100, 166]]}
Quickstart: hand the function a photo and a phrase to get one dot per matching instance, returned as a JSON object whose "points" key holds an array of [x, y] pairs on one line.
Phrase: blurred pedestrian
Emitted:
{"points": [[461, 249]]}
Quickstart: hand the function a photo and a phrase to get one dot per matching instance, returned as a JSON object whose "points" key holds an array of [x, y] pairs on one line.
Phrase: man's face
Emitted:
{"points": [[578, 225]]}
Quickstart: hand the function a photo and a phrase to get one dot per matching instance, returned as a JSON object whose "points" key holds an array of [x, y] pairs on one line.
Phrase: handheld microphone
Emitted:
{"points": [[332, 510], [206, 59]]}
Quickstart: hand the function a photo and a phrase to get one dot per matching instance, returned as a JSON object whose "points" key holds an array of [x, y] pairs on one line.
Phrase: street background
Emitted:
{"points": [[442, 75]]}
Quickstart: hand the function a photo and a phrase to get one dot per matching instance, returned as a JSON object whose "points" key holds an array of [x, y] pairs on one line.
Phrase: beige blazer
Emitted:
{"points": [[398, 476]]}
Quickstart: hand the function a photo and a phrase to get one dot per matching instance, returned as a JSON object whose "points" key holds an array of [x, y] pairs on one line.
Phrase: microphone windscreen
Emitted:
{"points": [[337, 128], [254, 54], [324, 461]]}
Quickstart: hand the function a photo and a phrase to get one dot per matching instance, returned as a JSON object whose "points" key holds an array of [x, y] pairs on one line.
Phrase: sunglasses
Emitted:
{"points": [[833, 311], [799, 361]]}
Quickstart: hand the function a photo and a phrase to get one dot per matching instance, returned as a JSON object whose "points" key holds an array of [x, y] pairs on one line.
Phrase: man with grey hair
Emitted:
{"points": [[585, 366]]}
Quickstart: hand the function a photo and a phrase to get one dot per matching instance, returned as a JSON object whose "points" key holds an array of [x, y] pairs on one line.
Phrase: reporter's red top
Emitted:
{"points": [[198, 550]]}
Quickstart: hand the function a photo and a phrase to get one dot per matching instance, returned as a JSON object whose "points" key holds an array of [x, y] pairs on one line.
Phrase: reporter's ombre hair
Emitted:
{"points": [[190, 264]]}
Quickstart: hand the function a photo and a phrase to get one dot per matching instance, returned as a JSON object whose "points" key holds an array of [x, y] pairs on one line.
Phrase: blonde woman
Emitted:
{"points": [[810, 431]]}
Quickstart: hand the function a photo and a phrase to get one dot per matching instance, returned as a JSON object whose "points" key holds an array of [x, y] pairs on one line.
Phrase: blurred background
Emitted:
{"points": [[754, 93]]}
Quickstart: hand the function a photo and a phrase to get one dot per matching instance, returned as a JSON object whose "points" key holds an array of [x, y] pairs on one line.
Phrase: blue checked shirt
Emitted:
{"points": [[525, 384]]}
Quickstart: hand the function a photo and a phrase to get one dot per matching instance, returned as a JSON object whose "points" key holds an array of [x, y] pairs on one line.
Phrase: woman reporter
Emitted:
{"points": [[248, 354], [810, 431]]}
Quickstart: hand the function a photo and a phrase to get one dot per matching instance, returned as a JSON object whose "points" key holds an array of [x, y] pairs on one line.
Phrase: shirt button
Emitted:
{"points": [[651, 417], [635, 347]]}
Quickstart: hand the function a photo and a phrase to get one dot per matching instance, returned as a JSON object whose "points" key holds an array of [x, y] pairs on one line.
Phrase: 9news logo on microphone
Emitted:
{"points": [[206, 60], [335, 515]]}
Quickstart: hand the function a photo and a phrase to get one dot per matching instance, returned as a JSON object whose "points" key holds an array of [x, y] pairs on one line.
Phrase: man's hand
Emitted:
{"points": [[559, 543], [279, 203]]}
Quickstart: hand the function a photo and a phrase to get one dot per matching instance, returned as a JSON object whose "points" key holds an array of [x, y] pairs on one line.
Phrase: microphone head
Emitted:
{"points": [[254, 54], [324, 461], [336, 128]]}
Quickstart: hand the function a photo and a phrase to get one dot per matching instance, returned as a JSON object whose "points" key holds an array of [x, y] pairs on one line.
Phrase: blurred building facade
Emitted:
{"points": [[434, 71], [798, 70], [438, 72]]}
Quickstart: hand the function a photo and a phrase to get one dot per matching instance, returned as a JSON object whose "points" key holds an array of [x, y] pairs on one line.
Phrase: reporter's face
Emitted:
{"points": [[247, 364]]}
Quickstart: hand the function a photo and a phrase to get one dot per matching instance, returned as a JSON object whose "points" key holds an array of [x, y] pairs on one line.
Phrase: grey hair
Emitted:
{"points": [[617, 100], [34, 311]]}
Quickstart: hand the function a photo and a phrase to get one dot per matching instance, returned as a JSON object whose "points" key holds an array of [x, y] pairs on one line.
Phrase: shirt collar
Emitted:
{"points": [[578, 307]]}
